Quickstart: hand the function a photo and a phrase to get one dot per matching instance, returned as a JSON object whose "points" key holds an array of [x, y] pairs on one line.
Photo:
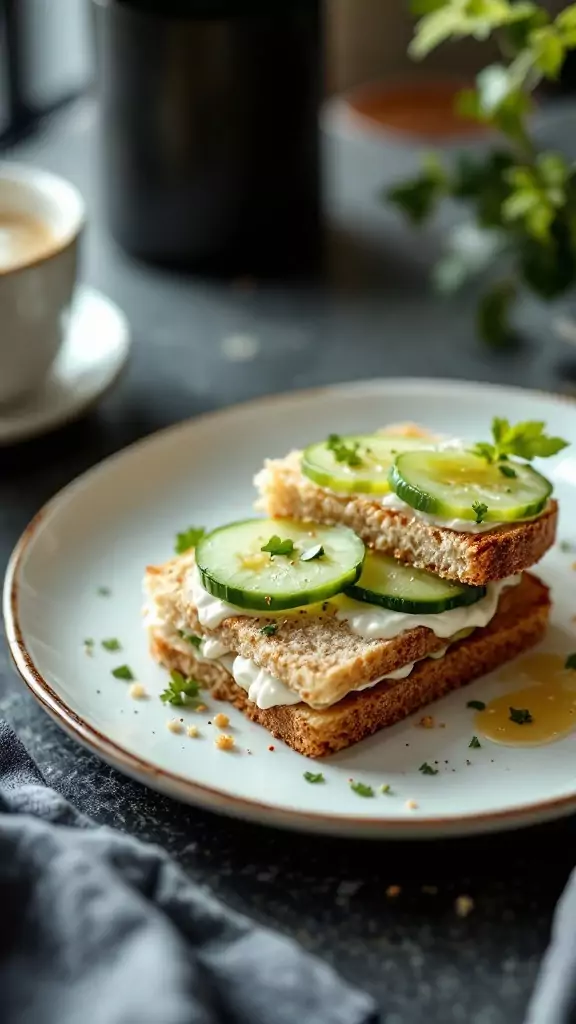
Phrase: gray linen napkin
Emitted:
{"points": [[98, 928]]}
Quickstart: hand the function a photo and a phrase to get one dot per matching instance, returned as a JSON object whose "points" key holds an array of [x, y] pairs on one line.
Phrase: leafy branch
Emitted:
{"points": [[524, 199]]}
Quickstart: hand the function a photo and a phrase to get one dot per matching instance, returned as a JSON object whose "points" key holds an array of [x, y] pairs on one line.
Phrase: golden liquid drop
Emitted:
{"points": [[548, 693]]}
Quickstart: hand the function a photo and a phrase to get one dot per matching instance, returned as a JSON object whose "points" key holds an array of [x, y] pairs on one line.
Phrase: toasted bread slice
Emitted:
{"points": [[315, 654], [475, 558], [519, 624]]}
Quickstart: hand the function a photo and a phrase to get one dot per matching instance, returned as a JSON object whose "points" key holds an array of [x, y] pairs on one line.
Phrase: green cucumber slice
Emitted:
{"points": [[448, 483], [233, 567], [356, 463], [391, 584]]}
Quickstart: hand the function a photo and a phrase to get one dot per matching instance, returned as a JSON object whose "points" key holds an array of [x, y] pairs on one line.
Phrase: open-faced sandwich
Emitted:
{"points": [[392, 569]]}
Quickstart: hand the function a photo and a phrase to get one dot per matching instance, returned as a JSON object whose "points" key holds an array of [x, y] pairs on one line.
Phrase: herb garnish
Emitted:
{"points": [[180, 690], [521, 716], [480, 509], [427, 769], [570, 661], [475, 743], [314, 777], [275, 546], [103, 591], [343, 452], [478, 705], [269, 630], [123, 672], [507, 471], [526, 440], [89, 642], [387, 788], [112, 645], [567, 546], [314, 552], [361, 789], [188, 539], [190, 638]]}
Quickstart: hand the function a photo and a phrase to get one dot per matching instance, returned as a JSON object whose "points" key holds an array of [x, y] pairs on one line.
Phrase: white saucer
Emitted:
{"points": [[88, 364]]}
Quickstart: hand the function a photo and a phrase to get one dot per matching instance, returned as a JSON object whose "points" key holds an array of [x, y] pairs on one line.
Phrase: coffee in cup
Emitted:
{"points": [[23, 239]]}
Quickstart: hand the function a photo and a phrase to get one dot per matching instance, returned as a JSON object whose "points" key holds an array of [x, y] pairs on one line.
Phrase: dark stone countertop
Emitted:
{"points": [[371, 317]]}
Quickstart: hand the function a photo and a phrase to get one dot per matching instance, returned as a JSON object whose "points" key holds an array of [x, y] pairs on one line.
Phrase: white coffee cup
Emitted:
{"points": [[41, 219]]}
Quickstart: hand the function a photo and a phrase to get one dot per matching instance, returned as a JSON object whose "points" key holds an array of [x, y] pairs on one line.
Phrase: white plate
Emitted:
{"points": [[92, 355], [104, 528]]}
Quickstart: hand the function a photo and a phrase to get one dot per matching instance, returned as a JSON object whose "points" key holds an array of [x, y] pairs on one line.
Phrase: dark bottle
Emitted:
{"points": [[210, 131]]}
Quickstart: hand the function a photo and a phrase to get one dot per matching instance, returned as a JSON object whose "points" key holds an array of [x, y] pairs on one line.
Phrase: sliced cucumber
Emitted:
{"points": [[391, 584], [233, 566], [357, 463], [450, 483]]}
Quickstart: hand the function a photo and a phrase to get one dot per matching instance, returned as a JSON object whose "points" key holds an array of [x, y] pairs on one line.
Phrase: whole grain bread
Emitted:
{"points": [[519, 624], [470, 558], [316, 655]]}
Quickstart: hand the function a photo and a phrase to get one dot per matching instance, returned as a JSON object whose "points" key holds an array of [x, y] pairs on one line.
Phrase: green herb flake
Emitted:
{"points": [[480, 509], [276, 546], [570, 661], [188, 539], [123, 672], [180, 690], [521, 716], [475, 743], [361, 789], [89, 642], [507, 471], [314, 552], [342, 452], [112, 645], [314, 777], [478, 705], [526, 440], [269, 630], [567, 547], [427, 769], [387, 789], [190, 638], [104, 592]]}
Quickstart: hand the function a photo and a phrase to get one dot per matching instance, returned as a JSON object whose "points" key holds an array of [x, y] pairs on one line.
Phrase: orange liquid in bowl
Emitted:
{"points": [[422, 109]]}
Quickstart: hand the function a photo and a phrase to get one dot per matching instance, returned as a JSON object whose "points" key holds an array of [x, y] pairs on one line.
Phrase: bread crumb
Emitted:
{"points": [[173, 725], [224, 742], [221, 720], [192, 731], [411, 805], [137, 691], [202, 707], [427, 722], [392, 891], [464, 905], [430, 890]]}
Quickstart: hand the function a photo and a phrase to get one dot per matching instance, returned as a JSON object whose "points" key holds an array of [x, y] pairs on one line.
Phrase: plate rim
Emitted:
{"points": [[213, 798]]}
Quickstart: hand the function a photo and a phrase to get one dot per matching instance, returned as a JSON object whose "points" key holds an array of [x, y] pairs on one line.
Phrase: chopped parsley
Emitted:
{"points": [[269, 630], [314, 777], [180, 690], [387, 788], [480, 509], [190, 638], [427, 769], [475, 743], [112, 645], [521, 716], [478, 705], [507, 471], [89, 642], [361, 789], [344, 452], [570, 661], [103, 591], [188, 539], [526, 440], [314, 552], [123, 672], [567, 547], [275, 546]]}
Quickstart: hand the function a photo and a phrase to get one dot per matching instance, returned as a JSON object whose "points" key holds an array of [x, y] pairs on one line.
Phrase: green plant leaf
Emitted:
{"points": [[418, 198], [493, 316], [422, 7], [548, 49], [549, 269]]}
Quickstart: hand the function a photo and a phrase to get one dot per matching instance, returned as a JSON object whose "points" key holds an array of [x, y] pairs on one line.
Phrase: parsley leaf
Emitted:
{"points": [[123, 672], [112, 645], [314, 777], [480, 509], [427, 769], [526, 440], [478, 705], [314, 552], [275, 546], [521, 716], [269, 630], [103, 591], [361, 789], [188, 539], [190, 638], [567, 547], [89, 642], [570, 661], [475, 743], [507, 471], [180, 690], [387, 788], [343, 452]]}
